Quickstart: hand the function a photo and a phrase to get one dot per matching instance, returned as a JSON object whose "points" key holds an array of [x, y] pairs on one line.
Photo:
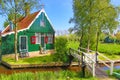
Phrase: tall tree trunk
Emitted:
{"points": [[80, 45], [89, 29], [97, 41], [15, 44], [88, 42], [16, 56]]}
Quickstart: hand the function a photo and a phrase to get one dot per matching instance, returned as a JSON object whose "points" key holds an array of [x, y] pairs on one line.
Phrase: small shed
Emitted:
{"points": [[33, 31]]}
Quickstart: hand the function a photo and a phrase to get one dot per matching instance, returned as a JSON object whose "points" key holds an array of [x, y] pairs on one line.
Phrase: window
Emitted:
{"points": [[42, 21], [50, 38], [38, 38]]}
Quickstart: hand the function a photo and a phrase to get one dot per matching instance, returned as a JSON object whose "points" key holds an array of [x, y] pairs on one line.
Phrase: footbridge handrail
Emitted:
{"points": [[111, 66], [85, 58], [83, 54]]}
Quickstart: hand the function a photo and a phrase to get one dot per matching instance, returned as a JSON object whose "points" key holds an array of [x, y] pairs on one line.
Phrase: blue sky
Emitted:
{"points": [[59, 12]]}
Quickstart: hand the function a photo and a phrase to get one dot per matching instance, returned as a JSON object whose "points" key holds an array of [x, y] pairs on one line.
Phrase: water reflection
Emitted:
{"points": [[106, 68], [4, 70]]}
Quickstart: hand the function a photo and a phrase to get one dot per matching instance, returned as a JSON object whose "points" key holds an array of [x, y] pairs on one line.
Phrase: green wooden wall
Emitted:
{"points": [[8, 43], [36, 27]]}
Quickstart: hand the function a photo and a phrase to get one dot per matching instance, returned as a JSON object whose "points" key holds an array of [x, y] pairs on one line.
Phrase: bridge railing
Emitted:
{"points": [[85, 58], [111, 66], [90, 62]]}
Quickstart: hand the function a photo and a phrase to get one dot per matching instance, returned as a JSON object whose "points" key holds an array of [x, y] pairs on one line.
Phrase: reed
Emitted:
{"points": [[60, 75]]}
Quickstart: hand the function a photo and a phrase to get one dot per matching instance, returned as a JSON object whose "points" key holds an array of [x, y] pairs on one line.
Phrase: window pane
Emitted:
{"points": [[50, 39], [38, 38]]}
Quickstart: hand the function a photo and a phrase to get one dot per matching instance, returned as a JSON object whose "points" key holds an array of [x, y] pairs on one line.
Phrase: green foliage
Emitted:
{"points": [[91, 17], [73, 44], [61, 49], [6, 23], [118, 37], [102, 37], [60, 75]]}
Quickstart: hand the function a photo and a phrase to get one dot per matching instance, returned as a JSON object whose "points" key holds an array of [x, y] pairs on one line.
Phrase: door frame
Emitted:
{"points": [[20, 42]]}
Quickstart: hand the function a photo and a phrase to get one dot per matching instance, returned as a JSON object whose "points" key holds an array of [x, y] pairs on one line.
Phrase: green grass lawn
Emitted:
{"points": [[109, 48], [34, 60], [112, 51]]}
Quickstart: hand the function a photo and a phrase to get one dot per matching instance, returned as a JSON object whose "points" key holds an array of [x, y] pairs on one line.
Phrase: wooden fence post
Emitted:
{"points": [[83, 66], [111, 68], [93, 65]]}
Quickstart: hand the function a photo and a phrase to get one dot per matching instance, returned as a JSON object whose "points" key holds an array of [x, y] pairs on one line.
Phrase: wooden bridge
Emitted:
{"points": [[90, 60]]}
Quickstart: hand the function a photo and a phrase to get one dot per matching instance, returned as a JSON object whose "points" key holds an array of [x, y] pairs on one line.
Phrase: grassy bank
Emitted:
{"points": [[61, 75], [109, 48], [112, 51], [34, 60]]}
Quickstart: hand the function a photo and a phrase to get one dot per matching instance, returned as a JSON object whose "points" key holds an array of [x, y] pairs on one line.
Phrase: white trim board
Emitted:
{"points": [[42, 10]]}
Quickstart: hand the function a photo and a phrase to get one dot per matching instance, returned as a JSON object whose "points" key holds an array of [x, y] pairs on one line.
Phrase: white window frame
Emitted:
{"points": [[51, 37], [38, 36]]}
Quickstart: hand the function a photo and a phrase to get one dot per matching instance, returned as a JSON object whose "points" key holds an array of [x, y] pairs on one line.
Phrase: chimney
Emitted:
{"points": [[27, 9]]}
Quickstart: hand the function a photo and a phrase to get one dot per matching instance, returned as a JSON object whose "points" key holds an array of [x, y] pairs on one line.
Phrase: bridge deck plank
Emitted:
{"points": [[98, 71]]}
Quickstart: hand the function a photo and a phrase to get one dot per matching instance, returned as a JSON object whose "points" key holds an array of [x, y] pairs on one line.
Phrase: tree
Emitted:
{"points": [[91, 17], [118, 35], [14, 8], [11, 17]]}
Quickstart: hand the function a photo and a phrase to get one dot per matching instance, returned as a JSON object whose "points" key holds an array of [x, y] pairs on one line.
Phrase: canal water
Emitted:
{"points": [[115, 67], [5, 70]]}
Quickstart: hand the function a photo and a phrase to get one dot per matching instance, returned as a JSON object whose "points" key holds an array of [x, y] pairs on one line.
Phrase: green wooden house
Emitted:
{"points": [[34, 30]]}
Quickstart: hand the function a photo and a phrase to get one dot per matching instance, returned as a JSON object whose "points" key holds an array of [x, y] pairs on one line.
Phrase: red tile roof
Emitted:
{"points": [[22, 24]]}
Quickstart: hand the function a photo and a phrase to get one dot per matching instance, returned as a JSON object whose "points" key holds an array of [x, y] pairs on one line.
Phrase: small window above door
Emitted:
{"points": [[42, 21]]}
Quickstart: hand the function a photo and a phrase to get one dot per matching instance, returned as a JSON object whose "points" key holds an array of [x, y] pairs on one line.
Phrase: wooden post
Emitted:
{"points": [[111, 68], [83, 66], [96, 57], [79, 63], [93, 66]]}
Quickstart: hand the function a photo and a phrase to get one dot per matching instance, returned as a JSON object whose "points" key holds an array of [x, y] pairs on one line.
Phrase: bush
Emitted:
{"points": [[61, 49]]}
